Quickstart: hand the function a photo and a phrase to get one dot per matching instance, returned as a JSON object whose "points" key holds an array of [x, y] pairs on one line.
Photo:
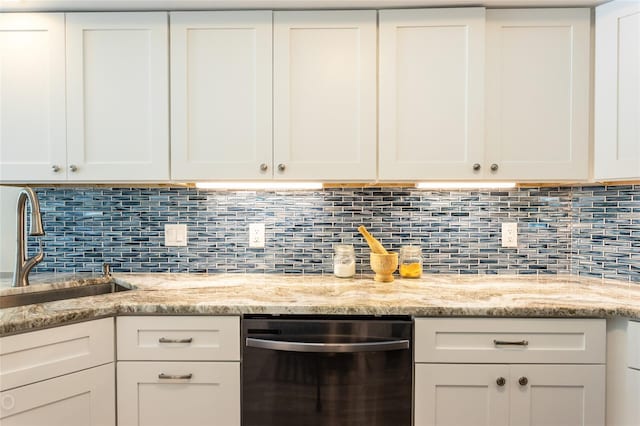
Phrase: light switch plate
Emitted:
{"points": [[175, 235], [510, 234], [256, 235]]}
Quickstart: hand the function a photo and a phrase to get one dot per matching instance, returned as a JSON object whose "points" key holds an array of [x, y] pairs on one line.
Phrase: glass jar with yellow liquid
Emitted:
{"points": [[410, 262]]}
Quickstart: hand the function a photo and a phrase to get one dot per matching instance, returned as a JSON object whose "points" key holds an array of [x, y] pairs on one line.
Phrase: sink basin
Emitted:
{"points": [[21, 299]]}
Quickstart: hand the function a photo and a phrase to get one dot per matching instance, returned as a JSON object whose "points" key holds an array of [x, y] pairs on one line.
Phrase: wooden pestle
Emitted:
{"points": [[375, 245]]}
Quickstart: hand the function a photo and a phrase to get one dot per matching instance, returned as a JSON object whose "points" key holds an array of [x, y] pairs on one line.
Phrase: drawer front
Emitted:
{"points": [[39, 355], [166, 338], [633, 344], [510, 340], [178, 393]]}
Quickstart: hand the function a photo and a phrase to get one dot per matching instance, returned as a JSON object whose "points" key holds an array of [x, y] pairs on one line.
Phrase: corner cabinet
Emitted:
{"points": [[32, 92], [324, 95], [537, 94], [431, 83], [59, 377], [221, 95], [503, 372], [617, 91], [117, 96]]}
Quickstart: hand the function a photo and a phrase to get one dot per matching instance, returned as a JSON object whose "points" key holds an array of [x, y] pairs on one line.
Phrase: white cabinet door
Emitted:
{"points": [[633, 378], [461, 395], [537, 109], [560, 395], [431, 82], [617, 91], [85, 398], [209, 393], [117, 96], [32, 97], [221, 95], [324, 91]]}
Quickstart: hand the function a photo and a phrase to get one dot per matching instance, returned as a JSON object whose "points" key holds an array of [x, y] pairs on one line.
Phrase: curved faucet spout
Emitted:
{"points": [[24, 265]]}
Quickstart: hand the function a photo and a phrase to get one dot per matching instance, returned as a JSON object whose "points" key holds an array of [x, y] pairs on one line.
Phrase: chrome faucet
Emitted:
{"points": [[24, 265]]}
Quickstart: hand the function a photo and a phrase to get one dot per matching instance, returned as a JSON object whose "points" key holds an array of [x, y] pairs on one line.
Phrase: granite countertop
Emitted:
{"points": [[431, 295]]}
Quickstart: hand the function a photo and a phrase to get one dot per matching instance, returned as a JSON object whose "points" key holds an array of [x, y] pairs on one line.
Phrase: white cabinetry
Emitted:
{"points": [[633, 372], [617, 91], [60, 377], [537, 94], [324, 90], [221, 95], [32, 97], [509, 372], [117, 96], [431, 82], [203, 388]]}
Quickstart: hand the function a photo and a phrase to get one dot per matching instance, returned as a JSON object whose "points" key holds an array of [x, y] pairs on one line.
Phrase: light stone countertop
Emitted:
{"points": [[431, 295]]}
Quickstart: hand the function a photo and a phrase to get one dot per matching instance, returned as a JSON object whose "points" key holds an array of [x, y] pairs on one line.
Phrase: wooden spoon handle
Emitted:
{"points": [[375, 245]]}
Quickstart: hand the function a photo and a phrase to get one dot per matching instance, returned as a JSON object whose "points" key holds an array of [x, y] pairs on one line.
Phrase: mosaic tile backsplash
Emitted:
{"points": [[591, 231]]}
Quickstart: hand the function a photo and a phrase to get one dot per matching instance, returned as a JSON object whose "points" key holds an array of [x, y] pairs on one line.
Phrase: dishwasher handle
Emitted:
{"points": [[287, 346]]}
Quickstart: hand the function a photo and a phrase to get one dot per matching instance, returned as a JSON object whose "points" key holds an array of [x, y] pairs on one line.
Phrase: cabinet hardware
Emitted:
{"points": [[476, 166], [73, 168], [55, 168], [175, 376], [494, 167], [501, 381], [510, 343], [281, 167], [523, 381], [165, 340], [264, 167]]}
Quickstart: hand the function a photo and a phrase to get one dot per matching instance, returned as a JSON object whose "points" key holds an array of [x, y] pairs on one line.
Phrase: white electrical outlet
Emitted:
{"points": [[510, 234], [256, 235], [175, 235]]}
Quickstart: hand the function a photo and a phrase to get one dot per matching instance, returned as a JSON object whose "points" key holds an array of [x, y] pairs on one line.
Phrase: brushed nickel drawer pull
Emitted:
{"points": [[501, 381], [175, 376], [508, 343], [165, 340], [523, 381]]}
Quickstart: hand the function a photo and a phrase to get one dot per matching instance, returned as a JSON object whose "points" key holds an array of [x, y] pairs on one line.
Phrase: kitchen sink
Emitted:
{"points": [[21, 299]]}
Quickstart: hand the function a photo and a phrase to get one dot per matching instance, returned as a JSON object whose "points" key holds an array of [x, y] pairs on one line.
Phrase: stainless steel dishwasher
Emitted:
{"points": [[326, 371]]}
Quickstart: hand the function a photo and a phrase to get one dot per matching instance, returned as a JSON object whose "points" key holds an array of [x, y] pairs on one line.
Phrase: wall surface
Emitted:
{"points": [[8, 202], [585, 230]]}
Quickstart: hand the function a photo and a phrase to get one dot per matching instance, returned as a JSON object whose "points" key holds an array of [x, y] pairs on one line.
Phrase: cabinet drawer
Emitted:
{"points": [[202, 393], [510, 340], [39, 355], [633, 344], [179, 338]]}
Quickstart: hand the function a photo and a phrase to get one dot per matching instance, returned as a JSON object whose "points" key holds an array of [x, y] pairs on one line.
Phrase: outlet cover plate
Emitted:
{"points": [[175, 235], [256, 235], [510, 234]]}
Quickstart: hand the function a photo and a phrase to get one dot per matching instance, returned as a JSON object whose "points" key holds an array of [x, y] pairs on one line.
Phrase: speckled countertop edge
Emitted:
{"points": [[433, 295]]}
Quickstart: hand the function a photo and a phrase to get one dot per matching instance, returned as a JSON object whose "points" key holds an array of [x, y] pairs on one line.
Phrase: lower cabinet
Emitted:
{"points": [[85, 398], [495, 395], [633, 377], [178, 393]]}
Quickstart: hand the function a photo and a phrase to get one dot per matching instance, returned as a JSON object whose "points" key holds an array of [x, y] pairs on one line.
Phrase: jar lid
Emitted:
{"points": [[343, 248], [411, 249]]}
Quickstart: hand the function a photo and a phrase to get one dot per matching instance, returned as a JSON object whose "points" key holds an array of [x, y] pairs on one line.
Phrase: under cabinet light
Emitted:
{"points": [[258, 186], [465, 185]]}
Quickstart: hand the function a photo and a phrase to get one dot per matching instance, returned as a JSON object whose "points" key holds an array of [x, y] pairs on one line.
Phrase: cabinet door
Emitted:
{"points": [[431, 82], [85, 398], [537, 112], [221, 95], [461, 395], [633, 378], [325, 95], [617, 91], [32, 98], [560, 395], [209, 393], [117, 96]]}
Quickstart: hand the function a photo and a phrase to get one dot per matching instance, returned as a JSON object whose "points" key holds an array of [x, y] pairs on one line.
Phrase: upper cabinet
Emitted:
{"points": [[617, 91], [117, 96], [431, 82], [324, 95], [32, 98], [221, 95], [537, 94]]}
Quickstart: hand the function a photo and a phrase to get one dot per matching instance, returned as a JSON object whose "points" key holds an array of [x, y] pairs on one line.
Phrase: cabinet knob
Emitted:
{"points": [[501, 381], [73, 168], [264, 167], [494, 167], [523, 381], [476, 166], [281, 167], [55, 168]]}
